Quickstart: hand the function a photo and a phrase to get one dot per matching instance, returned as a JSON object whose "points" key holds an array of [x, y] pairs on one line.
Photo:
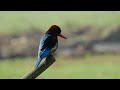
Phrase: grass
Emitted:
{"points": [[107, 66], [100, 67], [17, 21]]}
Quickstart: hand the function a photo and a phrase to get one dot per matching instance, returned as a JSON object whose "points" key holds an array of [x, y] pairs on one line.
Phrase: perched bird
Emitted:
{"points": [[49, 43]]}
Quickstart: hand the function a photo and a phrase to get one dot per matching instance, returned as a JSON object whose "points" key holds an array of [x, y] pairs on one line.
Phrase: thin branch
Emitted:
{"points": [[36, 72]]}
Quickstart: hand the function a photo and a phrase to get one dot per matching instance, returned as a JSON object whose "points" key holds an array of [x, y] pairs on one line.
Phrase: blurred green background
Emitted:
{"points": [[92, 49]]}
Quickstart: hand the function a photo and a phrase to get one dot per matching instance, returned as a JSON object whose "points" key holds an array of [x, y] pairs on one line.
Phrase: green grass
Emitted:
{"points": [[104, 67], [16, 21]]}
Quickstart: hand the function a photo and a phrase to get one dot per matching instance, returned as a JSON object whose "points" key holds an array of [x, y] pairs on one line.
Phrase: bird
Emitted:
{"points": [[48, 43]]}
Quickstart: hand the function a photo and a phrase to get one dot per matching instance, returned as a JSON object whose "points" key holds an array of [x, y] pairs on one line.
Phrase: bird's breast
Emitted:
{"points": [[54, 49]]}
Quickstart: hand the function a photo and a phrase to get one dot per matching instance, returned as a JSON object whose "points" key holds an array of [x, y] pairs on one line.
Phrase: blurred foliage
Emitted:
{"points": [[106, 66], [16, 21], [20, 33]]}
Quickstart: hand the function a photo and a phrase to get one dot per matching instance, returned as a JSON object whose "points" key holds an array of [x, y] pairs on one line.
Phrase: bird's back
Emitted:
{"points": [[47, 42]]}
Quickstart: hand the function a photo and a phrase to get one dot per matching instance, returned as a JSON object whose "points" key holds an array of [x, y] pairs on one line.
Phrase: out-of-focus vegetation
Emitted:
{"points": [[91, 51], [107, 66], [15, 21]]}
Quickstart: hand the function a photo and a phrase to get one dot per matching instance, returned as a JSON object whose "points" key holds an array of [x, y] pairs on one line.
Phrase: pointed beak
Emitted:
{"points": [[62, 36]]}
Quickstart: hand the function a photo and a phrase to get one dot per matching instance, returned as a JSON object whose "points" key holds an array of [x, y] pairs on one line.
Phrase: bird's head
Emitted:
{"points": [[55, 31]]}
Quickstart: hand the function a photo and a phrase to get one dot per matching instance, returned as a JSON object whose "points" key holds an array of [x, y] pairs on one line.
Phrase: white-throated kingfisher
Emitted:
{"points": [[49, 43]]}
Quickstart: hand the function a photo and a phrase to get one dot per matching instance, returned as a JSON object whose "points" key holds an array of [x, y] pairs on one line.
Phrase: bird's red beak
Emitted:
{"points": [[62, 36]]}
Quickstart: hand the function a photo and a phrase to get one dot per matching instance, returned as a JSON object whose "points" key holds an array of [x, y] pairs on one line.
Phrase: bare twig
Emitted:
{"points": [[36, 72]]}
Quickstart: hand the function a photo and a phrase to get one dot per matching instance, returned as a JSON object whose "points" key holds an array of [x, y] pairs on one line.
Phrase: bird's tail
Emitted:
{"points": [[38, 62]]}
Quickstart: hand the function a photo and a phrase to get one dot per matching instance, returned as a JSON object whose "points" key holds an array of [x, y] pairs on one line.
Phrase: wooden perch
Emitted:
{"points": [[36, 72]]}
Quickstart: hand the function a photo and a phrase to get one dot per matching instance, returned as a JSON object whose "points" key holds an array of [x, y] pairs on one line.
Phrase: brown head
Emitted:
{"points": [[55, 31]]}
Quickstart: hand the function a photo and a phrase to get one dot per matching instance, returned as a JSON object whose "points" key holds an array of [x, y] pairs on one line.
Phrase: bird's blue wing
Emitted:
{"points": [[47, 41], [41, 55], [43, 51], [44, 40]]}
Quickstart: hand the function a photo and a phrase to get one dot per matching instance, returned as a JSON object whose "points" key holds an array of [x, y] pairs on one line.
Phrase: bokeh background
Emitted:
{"points": [[92, 49]]}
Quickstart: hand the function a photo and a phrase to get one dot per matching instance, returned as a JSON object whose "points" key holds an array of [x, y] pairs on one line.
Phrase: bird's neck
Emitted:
{"points": [[47, 33]]}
